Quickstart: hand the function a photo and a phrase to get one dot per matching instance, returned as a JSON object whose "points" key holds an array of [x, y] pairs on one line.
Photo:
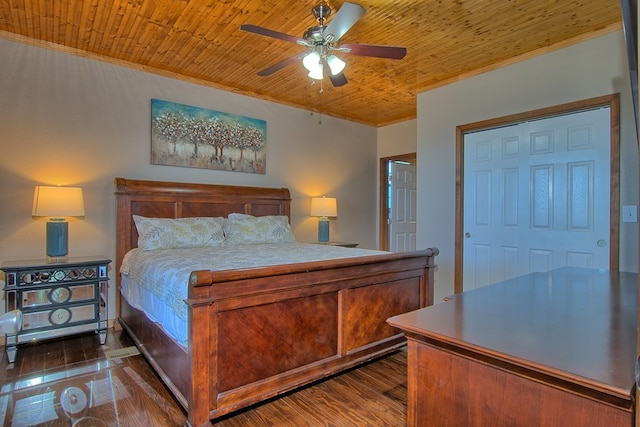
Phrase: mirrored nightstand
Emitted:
{"points": [[56, 299]]}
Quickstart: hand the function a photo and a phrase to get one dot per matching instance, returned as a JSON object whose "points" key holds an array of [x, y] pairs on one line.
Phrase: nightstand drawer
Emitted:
{"points": [[43, 276], [57, 295], [58, 317]]}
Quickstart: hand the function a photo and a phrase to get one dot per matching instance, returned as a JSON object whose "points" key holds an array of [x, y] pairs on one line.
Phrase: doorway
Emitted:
{"points": [[398, 181], [581, 169]]}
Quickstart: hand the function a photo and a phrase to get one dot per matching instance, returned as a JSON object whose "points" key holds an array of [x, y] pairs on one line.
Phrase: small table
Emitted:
{"points": [[56, 299], [555, 348]]}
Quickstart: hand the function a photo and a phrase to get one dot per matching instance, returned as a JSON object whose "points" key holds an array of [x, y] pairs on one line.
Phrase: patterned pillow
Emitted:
{"points": [[259, 229], [236, 215], [168, 233]]}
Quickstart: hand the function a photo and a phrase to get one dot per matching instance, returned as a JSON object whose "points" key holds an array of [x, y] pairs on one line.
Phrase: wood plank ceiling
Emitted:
{"points": [[201, 41]]}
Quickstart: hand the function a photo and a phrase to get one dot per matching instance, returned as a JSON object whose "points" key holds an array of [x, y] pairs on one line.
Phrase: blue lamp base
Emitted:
{"points": [[323, 229], [57, 239]]}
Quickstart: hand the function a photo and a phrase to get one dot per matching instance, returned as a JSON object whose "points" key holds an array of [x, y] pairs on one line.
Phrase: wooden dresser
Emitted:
{"points": [[546, 349]]}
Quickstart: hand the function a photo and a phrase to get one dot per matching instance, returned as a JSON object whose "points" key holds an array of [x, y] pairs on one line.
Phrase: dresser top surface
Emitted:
{"points": [[579, 324]]}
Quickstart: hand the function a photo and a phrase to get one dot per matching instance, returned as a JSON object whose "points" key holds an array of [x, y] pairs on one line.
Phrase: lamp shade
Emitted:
{"points": [[335, 64], [311, 61], [58, 201], [324, 206], [313, 64], [317, 74]]}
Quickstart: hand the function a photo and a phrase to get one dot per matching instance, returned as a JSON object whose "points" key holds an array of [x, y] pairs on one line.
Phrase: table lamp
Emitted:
{"points": [[57, 203], [323, 207]]}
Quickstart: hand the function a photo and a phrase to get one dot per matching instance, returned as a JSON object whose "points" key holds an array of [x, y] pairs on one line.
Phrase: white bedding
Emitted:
{"points": [[155, 282]]}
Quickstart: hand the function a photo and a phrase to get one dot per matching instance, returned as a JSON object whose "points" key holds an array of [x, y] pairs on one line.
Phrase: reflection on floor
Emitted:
{"points": [[74, 381], [71, 382]]}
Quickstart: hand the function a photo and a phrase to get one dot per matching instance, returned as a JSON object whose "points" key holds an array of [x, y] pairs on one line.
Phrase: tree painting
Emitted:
{"points": [[182, 135]]}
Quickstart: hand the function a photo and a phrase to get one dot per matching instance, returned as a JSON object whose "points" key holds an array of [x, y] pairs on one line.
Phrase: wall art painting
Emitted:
{"points": [[182, 135]]}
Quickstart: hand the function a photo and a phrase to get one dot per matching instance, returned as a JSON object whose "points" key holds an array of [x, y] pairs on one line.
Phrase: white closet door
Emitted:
{"points": [[536, 197]]}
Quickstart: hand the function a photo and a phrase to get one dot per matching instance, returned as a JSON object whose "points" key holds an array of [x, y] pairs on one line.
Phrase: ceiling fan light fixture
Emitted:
{"points": [[335, 64], [316, 73], [312, 61], [321, 39]]}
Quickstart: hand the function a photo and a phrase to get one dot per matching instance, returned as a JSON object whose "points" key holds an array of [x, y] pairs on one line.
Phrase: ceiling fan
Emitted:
{"points": [[322, 40]]}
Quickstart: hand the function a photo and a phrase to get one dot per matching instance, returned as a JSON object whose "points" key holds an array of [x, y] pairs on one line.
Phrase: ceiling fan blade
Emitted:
{"points": [[346, 16], [378, 51], [338, 80], [270, 33], [279, 66]]}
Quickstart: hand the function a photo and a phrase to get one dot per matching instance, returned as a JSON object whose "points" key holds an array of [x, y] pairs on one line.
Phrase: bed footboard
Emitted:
{"points": [[256, 338]]}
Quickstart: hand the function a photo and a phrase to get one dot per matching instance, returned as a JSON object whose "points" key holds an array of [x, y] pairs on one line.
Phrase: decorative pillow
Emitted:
{"points": [[259, 229], [169, 233], [239, 216]]}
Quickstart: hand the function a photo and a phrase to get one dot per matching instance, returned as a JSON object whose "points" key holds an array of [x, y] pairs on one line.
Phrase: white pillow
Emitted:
{"points": [[169, 233], [259, 229]]}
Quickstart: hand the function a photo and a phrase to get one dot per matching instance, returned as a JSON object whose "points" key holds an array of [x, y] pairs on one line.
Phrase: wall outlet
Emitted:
{"points": [[630, 213]]}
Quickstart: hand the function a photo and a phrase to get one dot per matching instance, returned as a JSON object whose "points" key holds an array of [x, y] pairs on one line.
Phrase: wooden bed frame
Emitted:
{"points": [[256, 333]]}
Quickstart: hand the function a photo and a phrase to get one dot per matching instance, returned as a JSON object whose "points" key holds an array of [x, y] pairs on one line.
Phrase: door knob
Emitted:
{"points": [[467, 234]]}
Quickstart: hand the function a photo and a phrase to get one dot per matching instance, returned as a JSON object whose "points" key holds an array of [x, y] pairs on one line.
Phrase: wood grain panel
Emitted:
{"points": [[202, 42], [477, 395], [293, 333], [368, 308], [208, 209]]}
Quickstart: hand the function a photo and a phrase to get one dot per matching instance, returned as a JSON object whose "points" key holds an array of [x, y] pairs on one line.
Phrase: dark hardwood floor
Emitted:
{"points": [[71, 382]]}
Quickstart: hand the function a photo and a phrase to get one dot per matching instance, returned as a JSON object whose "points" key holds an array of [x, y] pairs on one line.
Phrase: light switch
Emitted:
{"points": [[629, 213]]}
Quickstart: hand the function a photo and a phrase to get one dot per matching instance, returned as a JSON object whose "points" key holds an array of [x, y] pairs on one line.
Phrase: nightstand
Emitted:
{"points": [[56, 299], [343, 244]]}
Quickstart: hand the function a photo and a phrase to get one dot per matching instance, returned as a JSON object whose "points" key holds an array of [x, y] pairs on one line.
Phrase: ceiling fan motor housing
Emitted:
{"points": [[314, 34], [321, 12]]}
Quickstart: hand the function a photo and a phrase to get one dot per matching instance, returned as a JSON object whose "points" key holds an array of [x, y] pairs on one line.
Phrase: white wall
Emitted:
{"points": [[396, 139], [592, 68], [70, 120]]}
